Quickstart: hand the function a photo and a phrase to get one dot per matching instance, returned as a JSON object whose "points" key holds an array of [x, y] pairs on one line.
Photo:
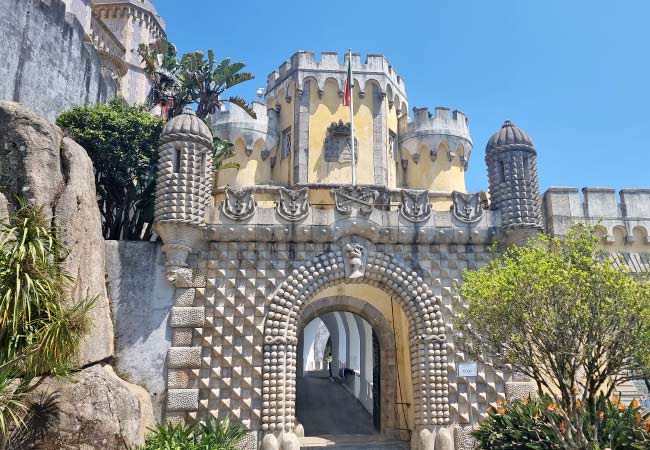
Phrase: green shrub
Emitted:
{"points": [[213, 435], [541, 425]]}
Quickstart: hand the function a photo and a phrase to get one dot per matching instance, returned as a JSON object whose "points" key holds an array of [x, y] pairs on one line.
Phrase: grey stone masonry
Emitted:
{"points": [[301, 134], [46, 63], [511, 161], [627, 220], [184, 185]]}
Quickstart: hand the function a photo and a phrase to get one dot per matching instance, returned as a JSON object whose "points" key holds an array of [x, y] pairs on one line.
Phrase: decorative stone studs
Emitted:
{"points": [[293, 204], [347, 198], [415, 206], [355, 260], [468, 208], [239, 203]]}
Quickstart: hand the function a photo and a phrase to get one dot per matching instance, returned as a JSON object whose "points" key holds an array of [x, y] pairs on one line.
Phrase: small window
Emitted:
{"points": [[527, 168], [392, 145], [177, 160], [286, 143], [501, 171]]}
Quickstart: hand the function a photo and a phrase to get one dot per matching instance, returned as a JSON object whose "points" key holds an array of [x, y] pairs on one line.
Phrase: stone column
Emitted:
{"points": [[301, 134], [379, 137]]}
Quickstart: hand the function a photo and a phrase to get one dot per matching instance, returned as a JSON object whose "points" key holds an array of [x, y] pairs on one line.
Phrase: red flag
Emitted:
{"points": [[347, 97]]}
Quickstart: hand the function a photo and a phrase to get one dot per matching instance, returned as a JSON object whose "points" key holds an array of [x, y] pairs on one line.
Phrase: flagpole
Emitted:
{"points": [[354, 158]]}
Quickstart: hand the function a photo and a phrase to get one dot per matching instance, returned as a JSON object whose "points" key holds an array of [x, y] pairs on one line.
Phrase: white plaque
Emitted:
{"points": [[468, 369]]}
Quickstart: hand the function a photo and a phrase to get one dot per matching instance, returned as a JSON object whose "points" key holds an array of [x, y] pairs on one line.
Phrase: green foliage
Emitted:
{"points": [[213, 435], [39, 333], [541, 424], [122, 142], [193, 79], [562, 313], [222, 151]]}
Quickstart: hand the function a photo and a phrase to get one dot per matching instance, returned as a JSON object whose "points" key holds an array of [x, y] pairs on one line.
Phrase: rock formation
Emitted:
{"points": [[95, 410], [46, 169]]}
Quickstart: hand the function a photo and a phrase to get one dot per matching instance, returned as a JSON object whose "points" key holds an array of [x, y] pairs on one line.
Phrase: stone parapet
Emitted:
{"points": [[432, 130], [625, 222], [303, 65], [111, 50], [385, 217], [141, 9], [235, 123]]}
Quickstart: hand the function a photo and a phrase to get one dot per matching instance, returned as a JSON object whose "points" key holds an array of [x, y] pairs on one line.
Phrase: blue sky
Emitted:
{"points": [[573, 73]]}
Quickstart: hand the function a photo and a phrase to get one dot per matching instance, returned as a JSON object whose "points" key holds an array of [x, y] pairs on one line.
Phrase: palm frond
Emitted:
{"points": [[243, 104]]}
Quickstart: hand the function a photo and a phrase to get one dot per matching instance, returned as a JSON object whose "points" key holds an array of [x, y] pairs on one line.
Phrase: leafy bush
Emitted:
{"points": [[122, 142], [213, 435], [542, 425]]}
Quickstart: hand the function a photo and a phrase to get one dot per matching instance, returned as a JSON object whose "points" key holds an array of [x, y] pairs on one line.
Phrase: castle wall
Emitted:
{"points": [[141, 300], [133, 23], [45, 63], [623, 222]]}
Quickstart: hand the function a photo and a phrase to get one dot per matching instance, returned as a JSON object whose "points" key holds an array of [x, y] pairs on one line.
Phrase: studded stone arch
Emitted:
{"points": [[426, 334]]}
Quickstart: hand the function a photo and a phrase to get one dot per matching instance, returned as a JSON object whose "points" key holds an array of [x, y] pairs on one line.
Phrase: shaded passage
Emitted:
{"points": [[325, 407]]}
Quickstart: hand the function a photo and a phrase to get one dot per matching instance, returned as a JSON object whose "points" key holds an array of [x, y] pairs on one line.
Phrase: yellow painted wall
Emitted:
{"points": [[330, 109], [382, 301], [283, 167], [252, 170], [438, 175]]}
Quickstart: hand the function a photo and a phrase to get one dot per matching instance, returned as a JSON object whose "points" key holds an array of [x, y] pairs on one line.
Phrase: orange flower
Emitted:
{"points": [[552, 406], [536, 416], [634, 404], [638, 417], [499, 402], [526, 401], [601, 415], [563, 427], [579, 404], [621, 406], [501, 411]]}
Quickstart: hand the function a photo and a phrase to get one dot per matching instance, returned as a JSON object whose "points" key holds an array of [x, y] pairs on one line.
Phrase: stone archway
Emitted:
{"points": [[427, 337], [384, 332]]}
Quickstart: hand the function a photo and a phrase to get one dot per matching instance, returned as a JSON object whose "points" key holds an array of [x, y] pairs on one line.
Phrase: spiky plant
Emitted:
{"points": [[39, 333]]}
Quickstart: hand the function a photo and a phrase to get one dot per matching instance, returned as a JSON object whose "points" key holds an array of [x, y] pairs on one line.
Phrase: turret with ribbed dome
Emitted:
{"points": [[511, 160], [184, 185]]}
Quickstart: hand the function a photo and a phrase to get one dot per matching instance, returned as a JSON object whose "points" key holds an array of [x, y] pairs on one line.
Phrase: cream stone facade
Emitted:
{"points": [[116, 28], [255, 255]]}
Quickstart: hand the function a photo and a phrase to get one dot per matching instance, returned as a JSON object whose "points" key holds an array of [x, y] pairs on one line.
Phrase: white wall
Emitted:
{"points": [[313, 348]]}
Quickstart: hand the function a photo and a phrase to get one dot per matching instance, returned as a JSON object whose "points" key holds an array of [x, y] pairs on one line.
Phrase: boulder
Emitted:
{"points": [[94, 411], [46, 169]]}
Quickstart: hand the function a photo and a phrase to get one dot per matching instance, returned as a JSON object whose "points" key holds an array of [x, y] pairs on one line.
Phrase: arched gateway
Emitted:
{"points": [[354, 264]]}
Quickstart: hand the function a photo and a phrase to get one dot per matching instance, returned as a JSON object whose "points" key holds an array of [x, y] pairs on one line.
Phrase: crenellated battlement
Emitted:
{"points": [[143, 10], [622, 219], [444, 121], [304, 65], [235, 123], [432, 130]]}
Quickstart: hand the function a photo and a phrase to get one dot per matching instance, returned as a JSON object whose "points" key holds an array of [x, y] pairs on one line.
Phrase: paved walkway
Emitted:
{"points": [[325, 407]]}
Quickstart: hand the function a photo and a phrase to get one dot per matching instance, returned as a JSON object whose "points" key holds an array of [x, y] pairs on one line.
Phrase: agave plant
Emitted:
{"points": [[39, 333], [213, 435]]}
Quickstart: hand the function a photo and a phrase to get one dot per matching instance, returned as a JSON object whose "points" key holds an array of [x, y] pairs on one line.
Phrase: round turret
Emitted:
{"points": [[511, 160], [184, 185], [435, 149]]}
